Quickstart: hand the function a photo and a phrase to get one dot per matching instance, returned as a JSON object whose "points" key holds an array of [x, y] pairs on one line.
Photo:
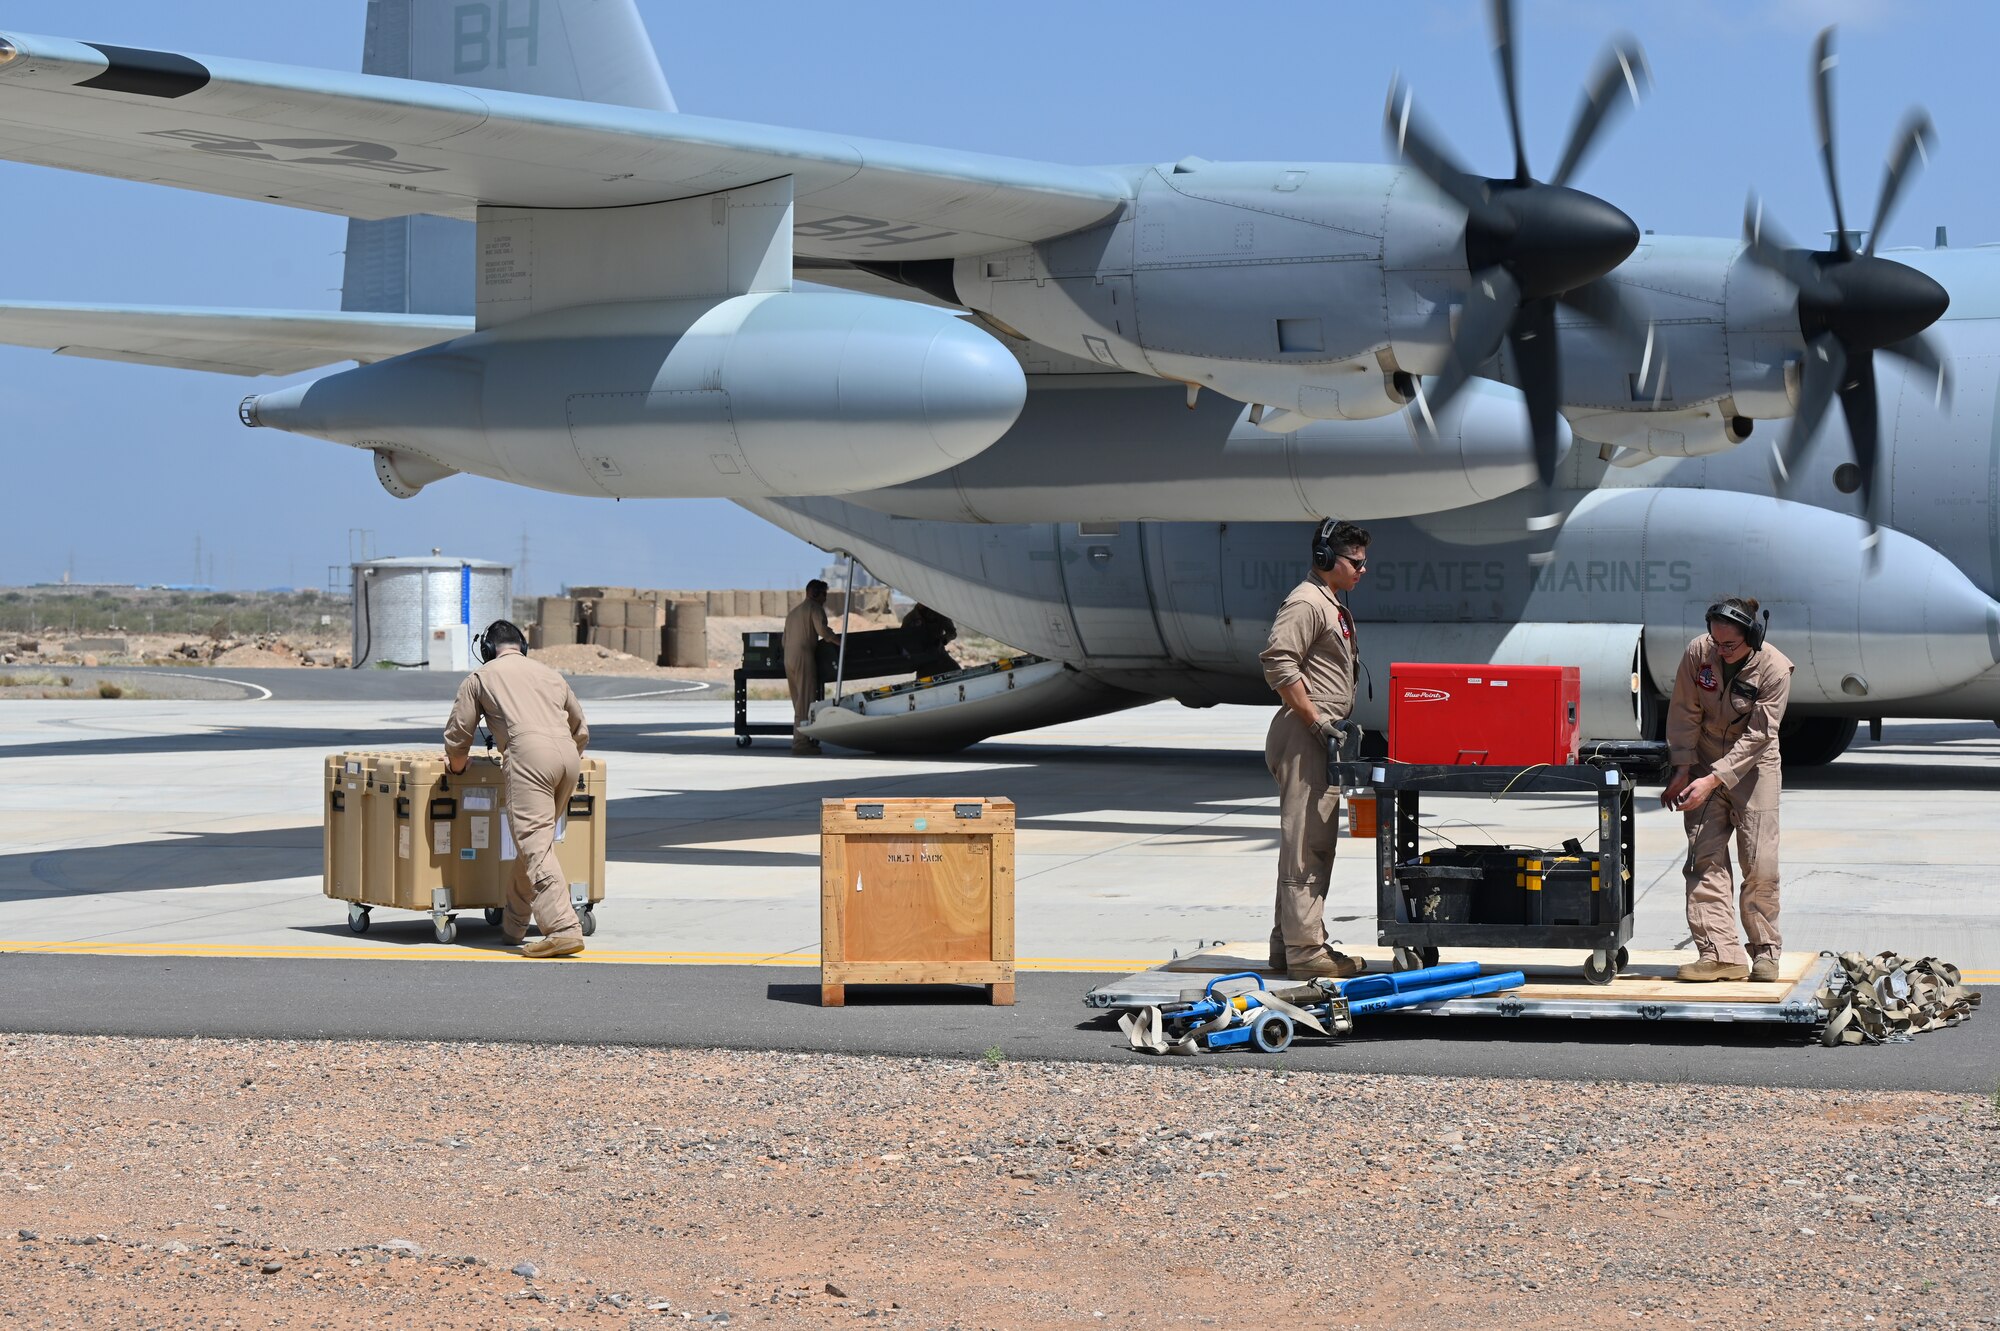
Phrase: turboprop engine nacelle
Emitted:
{"points": [[790, 393]]}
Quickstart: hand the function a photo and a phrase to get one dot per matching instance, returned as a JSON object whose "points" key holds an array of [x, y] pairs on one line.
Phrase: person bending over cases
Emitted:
{"points": [[538, 726], [1722, 737], [1310, 663]]}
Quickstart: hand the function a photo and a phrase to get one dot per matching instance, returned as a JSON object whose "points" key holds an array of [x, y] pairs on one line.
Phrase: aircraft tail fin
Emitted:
{"points": [[583, 50]]}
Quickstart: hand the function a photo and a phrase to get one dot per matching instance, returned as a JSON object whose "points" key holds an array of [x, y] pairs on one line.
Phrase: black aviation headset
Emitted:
{"points": [[1325, 553], [1728, 612], [500, 633]]}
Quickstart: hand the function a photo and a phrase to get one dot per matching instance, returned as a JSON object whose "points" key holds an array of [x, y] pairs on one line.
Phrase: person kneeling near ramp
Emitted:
{"points": [[538, 725]]}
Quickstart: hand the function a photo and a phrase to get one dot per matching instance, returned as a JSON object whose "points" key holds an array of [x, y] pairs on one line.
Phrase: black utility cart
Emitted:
{"points": [[1498, 896]]}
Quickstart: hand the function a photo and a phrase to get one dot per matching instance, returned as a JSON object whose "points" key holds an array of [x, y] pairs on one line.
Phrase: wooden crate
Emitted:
{"points": [[916, 891]]}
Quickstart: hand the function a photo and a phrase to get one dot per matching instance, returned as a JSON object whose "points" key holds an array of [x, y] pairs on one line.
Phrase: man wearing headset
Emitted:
{"points": [[1722, 736], [805, 629], [538, 724], [1310, 663]]}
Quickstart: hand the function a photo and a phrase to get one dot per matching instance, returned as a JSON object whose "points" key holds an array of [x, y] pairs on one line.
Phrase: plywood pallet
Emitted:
{"points": [[917, 891]]}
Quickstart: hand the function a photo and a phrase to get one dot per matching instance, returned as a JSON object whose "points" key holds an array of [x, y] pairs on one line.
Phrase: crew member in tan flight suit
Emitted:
{"points": [[805, 629], [538, 725], [1722, 737], [1310, 662]]}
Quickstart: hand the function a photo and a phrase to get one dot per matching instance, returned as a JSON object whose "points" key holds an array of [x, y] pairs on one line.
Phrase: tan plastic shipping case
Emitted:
{"points": [[461, 838], [341, 845]]}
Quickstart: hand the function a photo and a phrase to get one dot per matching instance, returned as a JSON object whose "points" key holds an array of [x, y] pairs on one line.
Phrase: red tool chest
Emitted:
{"points": [[1483, 715]]}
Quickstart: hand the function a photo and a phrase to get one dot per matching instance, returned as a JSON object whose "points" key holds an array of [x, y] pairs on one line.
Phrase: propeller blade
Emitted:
{"points": [[1537, 360], [1824, 371], [1415, 143], [1858, 405], [1922, 352], [1771, 248], [1822, 83], [1915, 137], [1620, 71], [1502, 13], [1490, 305], [1605, 303]]}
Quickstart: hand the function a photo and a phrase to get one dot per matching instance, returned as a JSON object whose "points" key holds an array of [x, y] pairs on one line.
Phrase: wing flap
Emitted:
{"points": [[244, 342], [375, 147]]}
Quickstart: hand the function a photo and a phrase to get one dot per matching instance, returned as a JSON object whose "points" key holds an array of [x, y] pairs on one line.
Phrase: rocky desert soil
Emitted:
{"points": [[293, 1184]]}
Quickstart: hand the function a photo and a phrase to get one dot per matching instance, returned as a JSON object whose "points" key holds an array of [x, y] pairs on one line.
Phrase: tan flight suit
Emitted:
{"points": [[1731, 730], [1312, 639], [538, 725], [805, 629]]}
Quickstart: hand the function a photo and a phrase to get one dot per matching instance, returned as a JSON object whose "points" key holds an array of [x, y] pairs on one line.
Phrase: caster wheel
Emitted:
{"points": [[494, 917], [587, 918], [1406, 959], [1600, 969], [742, 741], [1271, 1032], [357, 919], [1624, 959], [446, 931]]}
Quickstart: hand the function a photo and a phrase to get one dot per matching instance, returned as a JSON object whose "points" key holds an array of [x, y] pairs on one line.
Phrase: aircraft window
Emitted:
{"points": [[1300, 335], [1847, 478], [1098, 528]]}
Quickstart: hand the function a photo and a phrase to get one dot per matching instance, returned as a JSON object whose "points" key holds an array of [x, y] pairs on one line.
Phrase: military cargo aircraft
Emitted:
{"points": [[1101, 403]]}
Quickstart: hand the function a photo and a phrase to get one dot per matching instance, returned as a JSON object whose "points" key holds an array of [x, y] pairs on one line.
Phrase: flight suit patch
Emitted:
{"points": [[1707, 679]]}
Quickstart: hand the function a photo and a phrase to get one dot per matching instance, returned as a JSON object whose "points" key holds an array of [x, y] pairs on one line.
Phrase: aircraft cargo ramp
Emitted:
{"points": [[940, 713], [1645, 989]]}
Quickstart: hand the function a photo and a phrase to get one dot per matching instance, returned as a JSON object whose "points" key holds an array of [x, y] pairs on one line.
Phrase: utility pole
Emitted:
{"points": [[521, 568]]}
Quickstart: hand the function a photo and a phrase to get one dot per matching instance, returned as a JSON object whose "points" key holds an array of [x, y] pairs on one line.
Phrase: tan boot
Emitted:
{"points": [[1328, 965], [1709, 969], [553, 947], [1764, 970]]}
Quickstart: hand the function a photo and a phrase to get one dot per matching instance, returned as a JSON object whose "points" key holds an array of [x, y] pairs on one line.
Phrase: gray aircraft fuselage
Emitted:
{"points": [[1181, 608]]}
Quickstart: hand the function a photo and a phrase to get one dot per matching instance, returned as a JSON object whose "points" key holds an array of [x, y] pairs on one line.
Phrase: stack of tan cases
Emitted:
{"points": [[403, 832]]}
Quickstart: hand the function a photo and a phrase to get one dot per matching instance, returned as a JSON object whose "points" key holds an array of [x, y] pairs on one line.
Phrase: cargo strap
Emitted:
{"points": [[1888, 999], [1146, 1029]]}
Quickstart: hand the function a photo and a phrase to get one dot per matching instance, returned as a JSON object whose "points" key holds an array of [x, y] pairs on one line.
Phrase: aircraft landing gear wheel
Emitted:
{"points": [[742, 741], [1602, 969], [446, 929], [494, 917], [1271, 1032], [587, 918], [1415, 958], [357, 919]]}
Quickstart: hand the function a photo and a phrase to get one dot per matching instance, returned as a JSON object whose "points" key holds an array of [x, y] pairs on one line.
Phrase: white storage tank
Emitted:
{"points": [[420, 612]]}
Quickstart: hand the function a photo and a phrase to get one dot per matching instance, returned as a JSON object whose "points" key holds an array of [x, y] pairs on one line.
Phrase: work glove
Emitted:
{"points": [[1343, 738]]}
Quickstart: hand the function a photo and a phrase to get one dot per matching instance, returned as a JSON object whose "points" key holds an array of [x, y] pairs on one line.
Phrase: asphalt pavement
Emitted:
{"points": [[777, 1008]]}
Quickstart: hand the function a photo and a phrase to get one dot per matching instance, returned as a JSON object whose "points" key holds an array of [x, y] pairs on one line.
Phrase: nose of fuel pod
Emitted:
{"points": [[973, 390]]}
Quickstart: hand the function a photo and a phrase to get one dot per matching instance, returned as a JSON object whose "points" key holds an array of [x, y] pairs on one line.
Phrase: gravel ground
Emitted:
{"points": [[153, 1183]]}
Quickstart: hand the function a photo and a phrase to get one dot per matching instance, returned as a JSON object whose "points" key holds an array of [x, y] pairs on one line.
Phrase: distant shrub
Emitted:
{"points": [[106, 689]]}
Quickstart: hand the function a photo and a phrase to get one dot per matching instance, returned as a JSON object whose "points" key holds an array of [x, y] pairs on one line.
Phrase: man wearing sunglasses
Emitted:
{"points": [[1722, 733], [1310, 663]]}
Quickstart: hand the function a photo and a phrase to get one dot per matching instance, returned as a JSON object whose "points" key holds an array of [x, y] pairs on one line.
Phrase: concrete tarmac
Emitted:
{"points": [[149, 828]]}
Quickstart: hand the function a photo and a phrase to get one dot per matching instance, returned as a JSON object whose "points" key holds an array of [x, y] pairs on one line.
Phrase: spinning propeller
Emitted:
{"points": [[1851, 305], [1530, 243]]}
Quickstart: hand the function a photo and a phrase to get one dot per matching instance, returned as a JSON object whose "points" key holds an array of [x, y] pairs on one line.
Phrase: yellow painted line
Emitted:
{"points": [[1980, 977], [442, 952]]}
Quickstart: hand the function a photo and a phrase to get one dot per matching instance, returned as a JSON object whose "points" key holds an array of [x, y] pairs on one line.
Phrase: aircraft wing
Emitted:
{"points": [[248, 342], [368, 146]]}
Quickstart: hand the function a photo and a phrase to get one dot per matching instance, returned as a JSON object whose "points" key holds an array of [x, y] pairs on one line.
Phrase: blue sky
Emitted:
{"points": [[121, 468]]}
